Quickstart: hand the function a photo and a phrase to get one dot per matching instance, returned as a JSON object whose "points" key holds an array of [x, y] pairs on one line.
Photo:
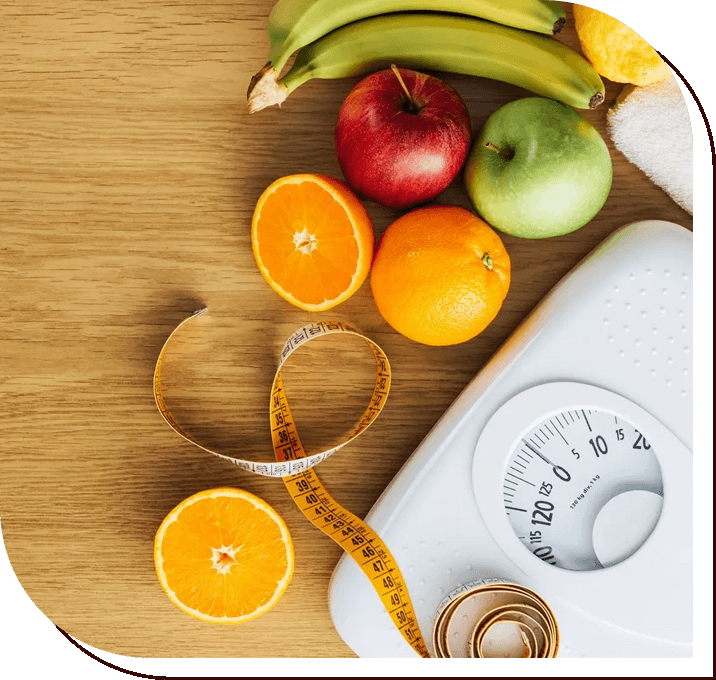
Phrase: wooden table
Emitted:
{"points": [[129, 169]]}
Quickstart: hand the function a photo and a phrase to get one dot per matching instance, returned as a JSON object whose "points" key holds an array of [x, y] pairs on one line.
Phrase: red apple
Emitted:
{"points": [[402, 137]]}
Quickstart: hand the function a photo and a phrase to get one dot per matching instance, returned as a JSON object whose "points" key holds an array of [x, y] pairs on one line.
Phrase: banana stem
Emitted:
{"points": [[596, 100], [265, 90]]}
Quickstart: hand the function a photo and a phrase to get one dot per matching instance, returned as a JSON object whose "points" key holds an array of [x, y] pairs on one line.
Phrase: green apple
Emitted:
{"points": [[538, 169]]}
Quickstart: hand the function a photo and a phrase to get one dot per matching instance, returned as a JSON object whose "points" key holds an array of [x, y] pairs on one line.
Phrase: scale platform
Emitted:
{"points": [[564, 466]]}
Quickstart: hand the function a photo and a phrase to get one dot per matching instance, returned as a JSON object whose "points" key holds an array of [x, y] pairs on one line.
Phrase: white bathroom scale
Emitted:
{"points": [[564, 466]]}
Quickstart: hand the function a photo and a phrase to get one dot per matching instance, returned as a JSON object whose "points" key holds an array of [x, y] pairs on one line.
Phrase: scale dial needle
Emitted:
{"points": [[537, 453], [558, 469]]}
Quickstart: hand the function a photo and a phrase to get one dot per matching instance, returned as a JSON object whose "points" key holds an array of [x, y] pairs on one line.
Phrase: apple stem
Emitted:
{"points": [[487, 261], [505, 155], [411, 102]]}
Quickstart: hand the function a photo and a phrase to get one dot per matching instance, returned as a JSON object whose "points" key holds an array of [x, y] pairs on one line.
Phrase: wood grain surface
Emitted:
{"points": [[129, 169]]}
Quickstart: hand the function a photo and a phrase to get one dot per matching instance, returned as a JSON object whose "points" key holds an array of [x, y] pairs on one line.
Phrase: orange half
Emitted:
{"points": [[313, 240], [224, 556]]}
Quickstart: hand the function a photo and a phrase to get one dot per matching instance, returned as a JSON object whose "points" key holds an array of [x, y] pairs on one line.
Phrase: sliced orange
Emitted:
{"points": [[223, 556], [312, 240]]}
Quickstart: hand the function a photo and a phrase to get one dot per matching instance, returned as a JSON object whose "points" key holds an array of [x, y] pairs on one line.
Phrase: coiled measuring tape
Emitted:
{"points": [[354, 535], [493, 618]]}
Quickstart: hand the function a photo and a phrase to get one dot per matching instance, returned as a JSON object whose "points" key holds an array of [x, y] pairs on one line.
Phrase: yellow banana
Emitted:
{"points": [[293, 24], [439, 42]]}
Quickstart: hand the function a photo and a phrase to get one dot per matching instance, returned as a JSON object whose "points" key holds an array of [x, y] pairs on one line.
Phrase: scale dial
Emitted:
{"points": [[582, 489]]}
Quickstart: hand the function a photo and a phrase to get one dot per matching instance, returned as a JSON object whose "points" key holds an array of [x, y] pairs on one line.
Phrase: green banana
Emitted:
{"points": [[439, 42], [293, 24]]}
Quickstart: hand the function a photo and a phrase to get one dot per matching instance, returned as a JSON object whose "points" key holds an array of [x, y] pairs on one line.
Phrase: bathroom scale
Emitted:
{"points": [[564, 466]]}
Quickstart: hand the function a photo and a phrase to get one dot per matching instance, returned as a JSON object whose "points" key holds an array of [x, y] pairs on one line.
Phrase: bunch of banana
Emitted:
{"points": [[293, 24], [428, 40]]}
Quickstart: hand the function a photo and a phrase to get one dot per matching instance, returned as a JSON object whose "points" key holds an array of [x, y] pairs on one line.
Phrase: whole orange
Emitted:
{"points": [[440, 275]]}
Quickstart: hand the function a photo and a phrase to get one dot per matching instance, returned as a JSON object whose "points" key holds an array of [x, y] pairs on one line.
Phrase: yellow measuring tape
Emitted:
{"points": [[371, 554], [311, 497], [494, 618]]}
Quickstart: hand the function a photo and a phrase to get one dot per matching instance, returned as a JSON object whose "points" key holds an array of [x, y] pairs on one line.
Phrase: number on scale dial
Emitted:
{"points": [[574, 481]]}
